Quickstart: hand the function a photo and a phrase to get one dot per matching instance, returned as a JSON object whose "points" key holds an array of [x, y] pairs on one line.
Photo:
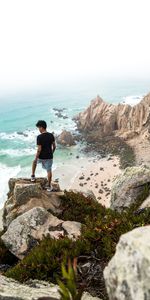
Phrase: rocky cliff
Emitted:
{"points": [[43, 229], [121, 119]]}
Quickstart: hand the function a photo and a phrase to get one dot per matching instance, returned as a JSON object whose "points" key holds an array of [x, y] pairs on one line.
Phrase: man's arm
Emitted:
{"points": [[39, 148], [53, 146]]}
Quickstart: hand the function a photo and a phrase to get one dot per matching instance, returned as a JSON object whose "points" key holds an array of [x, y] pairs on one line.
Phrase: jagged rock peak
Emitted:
{"points": [[117, 119]]}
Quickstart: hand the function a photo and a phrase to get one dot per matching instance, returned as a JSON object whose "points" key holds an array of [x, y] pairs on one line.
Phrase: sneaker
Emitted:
{"points": [[49, 189], [33, 178]]}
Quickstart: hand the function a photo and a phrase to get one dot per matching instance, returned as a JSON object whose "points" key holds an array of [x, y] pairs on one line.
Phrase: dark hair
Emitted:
{"points": [[41, 123]]}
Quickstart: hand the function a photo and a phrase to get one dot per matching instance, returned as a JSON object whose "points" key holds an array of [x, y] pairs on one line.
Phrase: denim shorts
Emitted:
{"points": [[46, 163]]}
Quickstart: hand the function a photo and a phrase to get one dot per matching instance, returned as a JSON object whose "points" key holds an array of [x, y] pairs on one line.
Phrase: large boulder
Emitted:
{"points": [[34, 290], [66, 138], [28, 229], [24, 195], [128, 186], [127, 275]]}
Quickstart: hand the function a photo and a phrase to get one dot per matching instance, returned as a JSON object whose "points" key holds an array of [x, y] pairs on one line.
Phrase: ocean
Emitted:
{"points": [[20, 111]]}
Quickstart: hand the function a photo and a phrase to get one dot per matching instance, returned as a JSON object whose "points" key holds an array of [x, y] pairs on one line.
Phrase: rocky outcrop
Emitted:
{"points": [[28, 229], [24, 195], [127, 275], [34, 290], [66, 139], [28, 215], [128, 186], [121, 119]]}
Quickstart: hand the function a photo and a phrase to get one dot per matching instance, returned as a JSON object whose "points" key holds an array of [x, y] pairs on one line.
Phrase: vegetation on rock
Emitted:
{"points": [[101, 230], [68, 289]]}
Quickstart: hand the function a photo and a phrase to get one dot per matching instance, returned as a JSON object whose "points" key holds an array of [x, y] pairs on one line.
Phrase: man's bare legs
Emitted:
{"points": [[34, 164], [49, 174], [49, 177]]}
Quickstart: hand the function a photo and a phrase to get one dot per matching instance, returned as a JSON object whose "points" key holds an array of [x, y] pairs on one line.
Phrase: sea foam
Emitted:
{"points": [[132, 100], [26, 135], [18, 152], [5, 174]]}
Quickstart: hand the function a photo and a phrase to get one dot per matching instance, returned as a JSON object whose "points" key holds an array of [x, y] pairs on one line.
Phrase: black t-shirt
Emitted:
{"points": [[46, 140]]}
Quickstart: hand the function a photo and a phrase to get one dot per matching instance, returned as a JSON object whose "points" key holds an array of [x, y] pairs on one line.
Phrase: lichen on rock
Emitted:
{"points": [[127, 275]]}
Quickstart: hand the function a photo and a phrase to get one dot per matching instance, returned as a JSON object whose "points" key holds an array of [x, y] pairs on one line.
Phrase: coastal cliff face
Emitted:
{"points": [[119, 119]]}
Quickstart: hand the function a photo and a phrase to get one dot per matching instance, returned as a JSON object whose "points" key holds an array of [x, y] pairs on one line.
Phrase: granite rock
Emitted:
{"points": [[33, 290], [28, 229], [127, 275], [128, 186], [24, 195]]}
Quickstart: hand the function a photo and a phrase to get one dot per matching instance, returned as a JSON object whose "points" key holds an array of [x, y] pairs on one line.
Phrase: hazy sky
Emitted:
{"points": [[46, 41]]}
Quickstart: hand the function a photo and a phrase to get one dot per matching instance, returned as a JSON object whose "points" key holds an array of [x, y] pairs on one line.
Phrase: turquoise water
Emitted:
{"points": [[19, 113]]}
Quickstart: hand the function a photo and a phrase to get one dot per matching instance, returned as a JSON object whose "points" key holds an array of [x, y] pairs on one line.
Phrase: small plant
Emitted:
{"points": [[68, 290]]}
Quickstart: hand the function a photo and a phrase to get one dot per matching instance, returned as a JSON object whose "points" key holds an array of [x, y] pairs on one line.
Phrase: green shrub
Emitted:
{"points": [[44, 261], [77, 207]]}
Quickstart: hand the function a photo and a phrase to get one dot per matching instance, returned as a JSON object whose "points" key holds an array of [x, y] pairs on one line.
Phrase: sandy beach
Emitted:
{"points": [[98, 176]]}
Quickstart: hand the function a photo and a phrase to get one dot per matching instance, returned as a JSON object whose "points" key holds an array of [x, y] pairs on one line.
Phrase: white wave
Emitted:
{"points": [[27, 135], [132, 100], [58, 127], [6, 173], [18, 152], [30, 135]]}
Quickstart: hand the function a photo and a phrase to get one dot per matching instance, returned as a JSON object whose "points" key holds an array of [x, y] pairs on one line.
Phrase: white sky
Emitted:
{"points": [[42, 41]]}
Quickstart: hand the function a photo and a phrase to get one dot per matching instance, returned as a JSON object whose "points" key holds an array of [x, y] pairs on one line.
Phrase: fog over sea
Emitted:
{"points": [[20, 111]]}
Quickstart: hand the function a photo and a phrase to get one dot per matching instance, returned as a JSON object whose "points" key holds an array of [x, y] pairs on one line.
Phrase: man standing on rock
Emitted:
{"points": [[46, 147]]}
